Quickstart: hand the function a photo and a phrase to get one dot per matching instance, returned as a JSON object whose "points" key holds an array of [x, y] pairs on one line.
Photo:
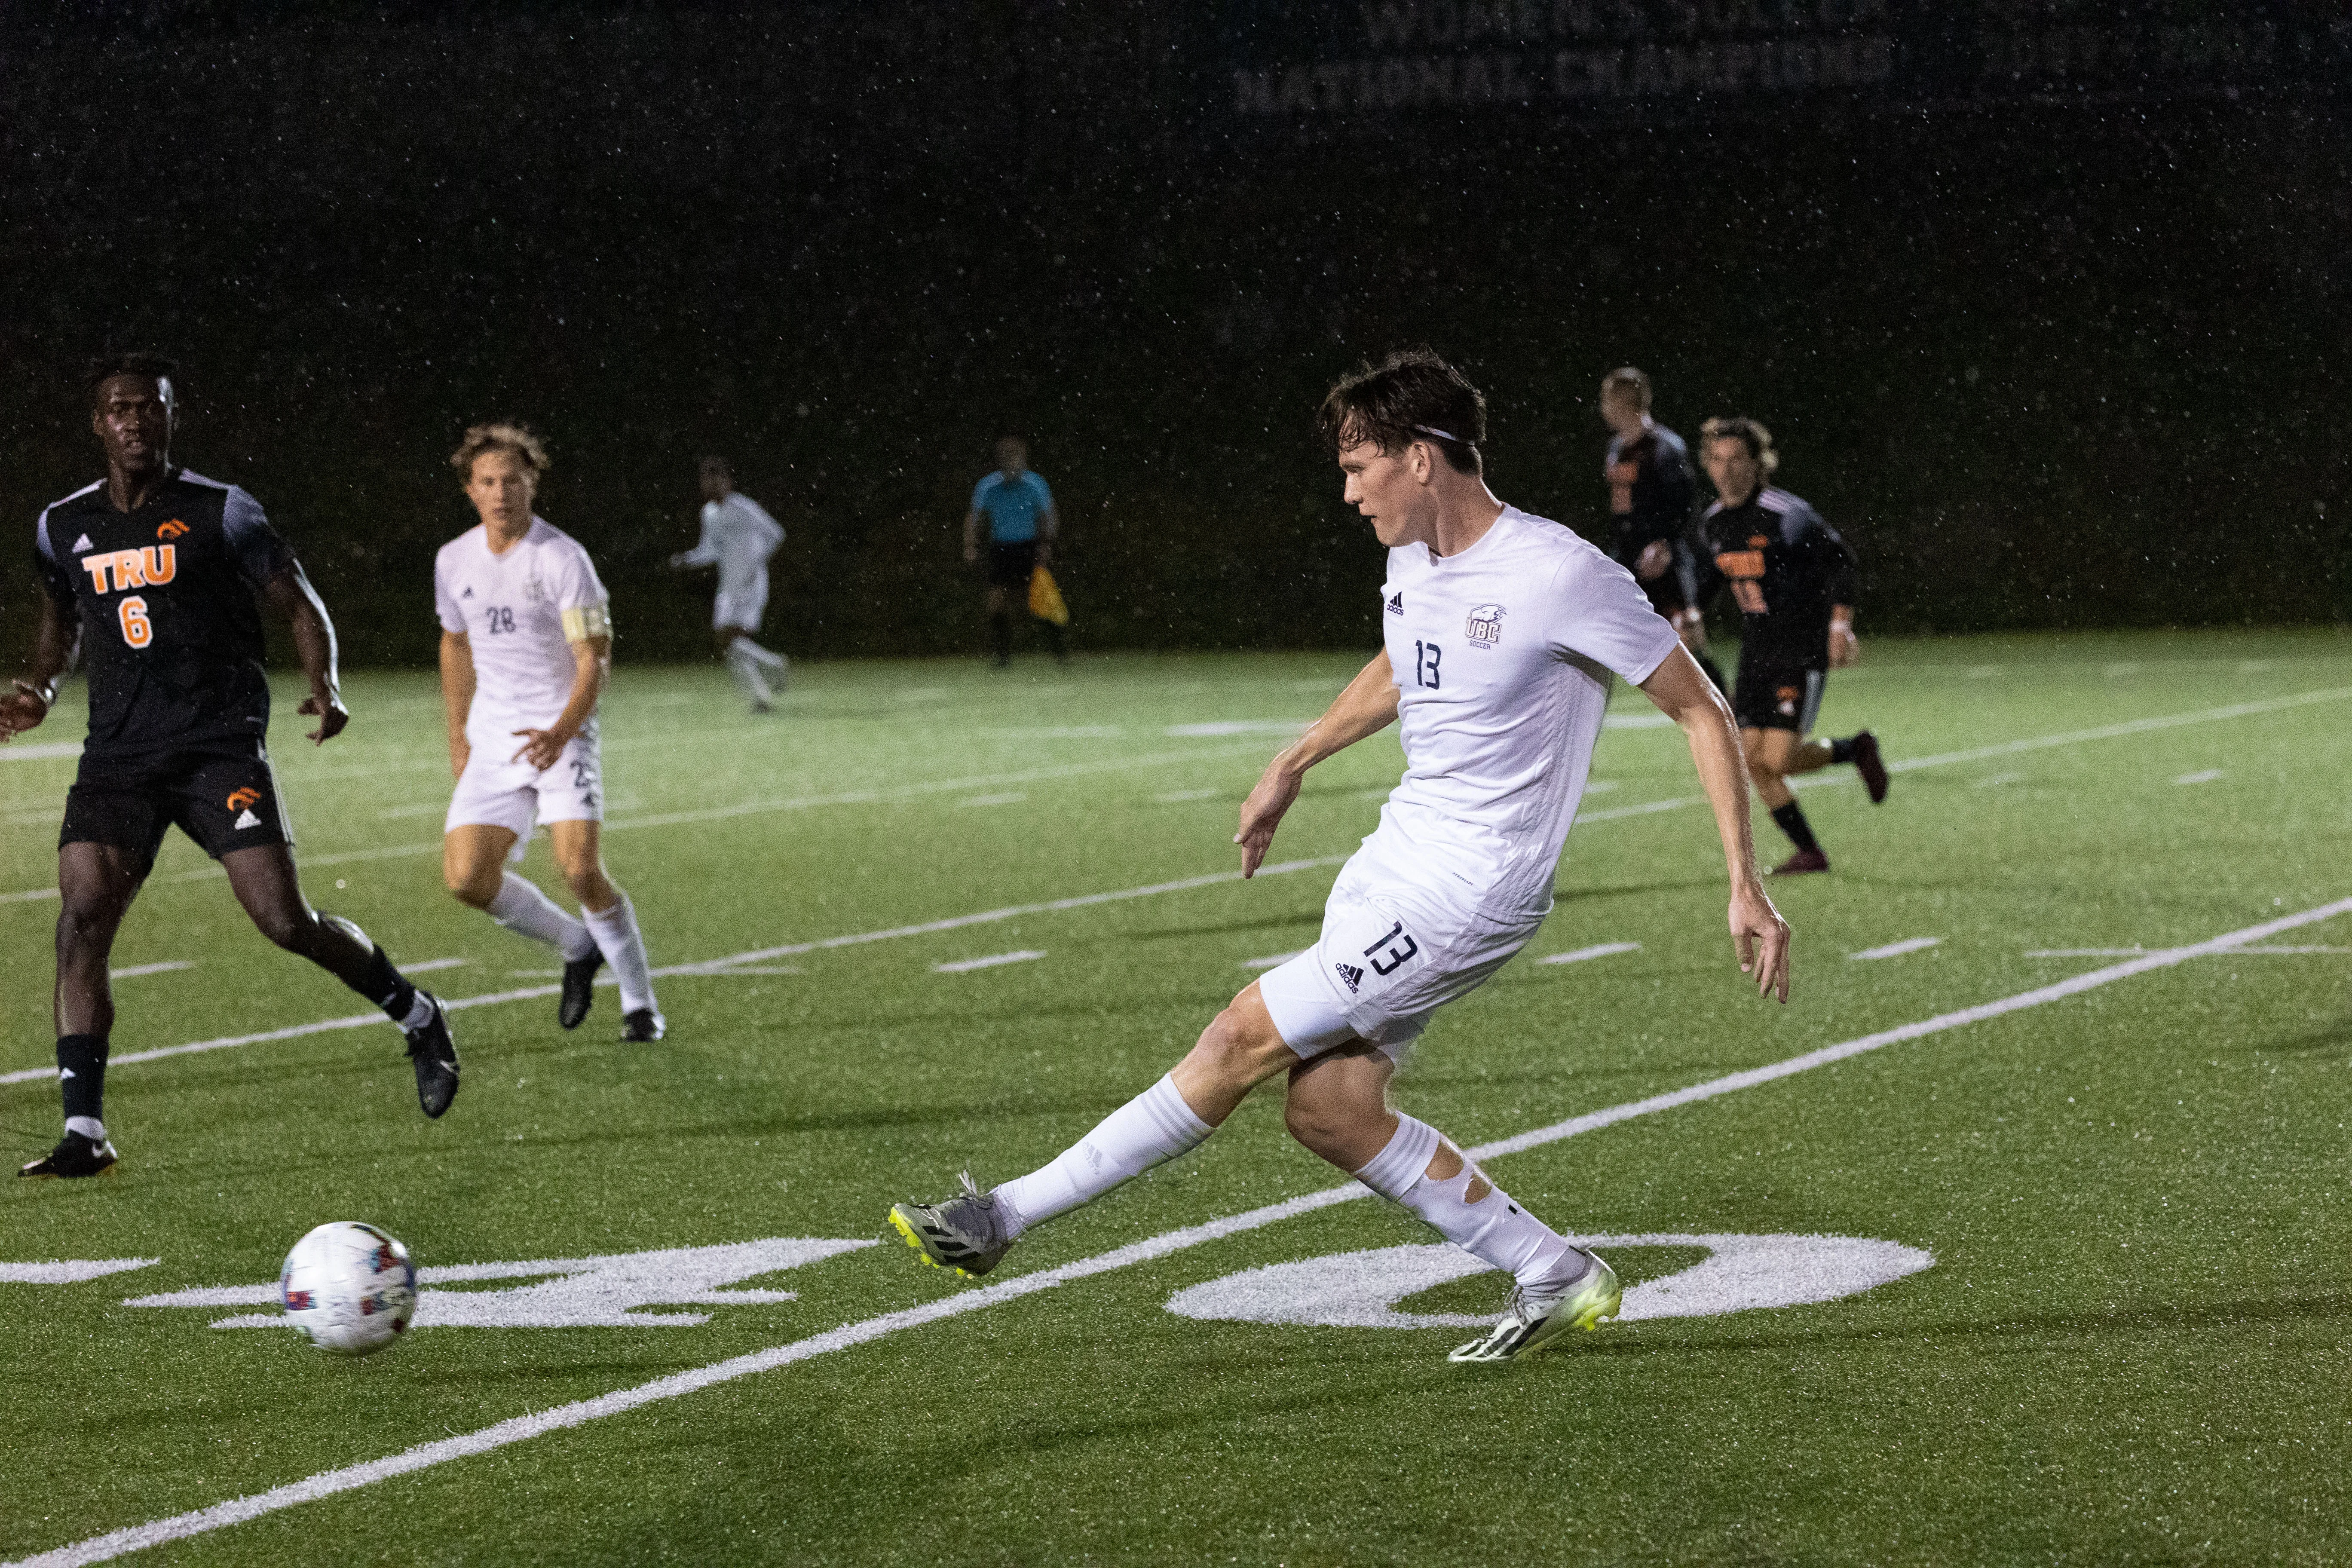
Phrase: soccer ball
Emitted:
{"points": [[349, 1287]]}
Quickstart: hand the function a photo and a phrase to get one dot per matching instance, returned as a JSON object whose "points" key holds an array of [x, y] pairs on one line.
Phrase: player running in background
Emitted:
{"points": [[1792, 578], [526, 650], [1020, 528], [737, 537], [1652, 494], [1501, 631], [152, 574]]}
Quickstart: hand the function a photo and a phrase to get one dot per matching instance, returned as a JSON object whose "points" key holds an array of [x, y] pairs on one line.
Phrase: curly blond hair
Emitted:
{"points": [[501, 436]]}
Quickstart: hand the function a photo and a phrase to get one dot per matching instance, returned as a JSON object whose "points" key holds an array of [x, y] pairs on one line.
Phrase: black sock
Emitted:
{"points": [[1714, 672], [81, 1075], [999, 636], [1841, 751], [1792, 819], [387, 988]]}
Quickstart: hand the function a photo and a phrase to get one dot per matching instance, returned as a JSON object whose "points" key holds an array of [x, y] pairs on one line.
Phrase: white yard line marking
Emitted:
{"points": [[1272, 959], [133, 971], [2267, 949], [45, 752], [1172, 796], [993, 961], [709, 966], [2208, 775], [1237, 727], [1014, 798], [562, 1418], [1897, 949], [2129, 727], [430, 964], [1635, 720], [1581, 954]]}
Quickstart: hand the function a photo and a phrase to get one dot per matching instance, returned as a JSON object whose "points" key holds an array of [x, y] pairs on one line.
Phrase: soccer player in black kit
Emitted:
{"points": [[1651, 494], [152, 574], [1792, 578]]}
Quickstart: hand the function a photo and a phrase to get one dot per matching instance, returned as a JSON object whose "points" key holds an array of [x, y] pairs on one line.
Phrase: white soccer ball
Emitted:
{"points": [[349, 1287]]}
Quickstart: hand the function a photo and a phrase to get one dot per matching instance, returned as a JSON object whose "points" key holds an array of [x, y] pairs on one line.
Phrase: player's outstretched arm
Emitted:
{"points": [[289, 593], [28, 699], [1368, 706], [972, 536], [458, 696], [1685, 695]]}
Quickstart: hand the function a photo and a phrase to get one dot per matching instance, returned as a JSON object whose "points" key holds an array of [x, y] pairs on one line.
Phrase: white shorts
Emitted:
{"points": [[742, 608], [1390, 956], [495, 793]]}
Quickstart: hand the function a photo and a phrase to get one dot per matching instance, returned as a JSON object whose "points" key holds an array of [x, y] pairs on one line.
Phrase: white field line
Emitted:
{"points": [[430, 964], [2267, 949], [562, 1418], [168, 967], [709, 966], [994, 961], [2206, 775], [748, 808], [1271, 960], [1582, 955], [1897, 949]]}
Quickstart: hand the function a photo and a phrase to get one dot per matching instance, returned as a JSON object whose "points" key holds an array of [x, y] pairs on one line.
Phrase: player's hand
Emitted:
{"points": [[21, 708], [1844, 647], [1762, 937], [1655, 557], [541, 747], [1262, 814], [330, 713]]}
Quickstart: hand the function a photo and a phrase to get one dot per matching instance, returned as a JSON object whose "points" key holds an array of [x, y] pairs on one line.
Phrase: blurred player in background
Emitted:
{"points": [[526, 650], [1793, 580], [1502, 631], [152, 574], [737, 537], [1652, 496], [1019, 510]]}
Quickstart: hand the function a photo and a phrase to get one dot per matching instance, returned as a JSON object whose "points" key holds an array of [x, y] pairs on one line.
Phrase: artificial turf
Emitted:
{"points": [[2131, 1346]]}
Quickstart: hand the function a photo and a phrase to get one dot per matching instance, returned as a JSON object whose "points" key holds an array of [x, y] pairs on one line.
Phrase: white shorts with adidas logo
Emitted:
{"points": [[494, 792]]}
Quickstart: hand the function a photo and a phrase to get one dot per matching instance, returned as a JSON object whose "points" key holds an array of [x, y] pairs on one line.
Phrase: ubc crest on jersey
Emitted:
{"points": [[1485, 626]]}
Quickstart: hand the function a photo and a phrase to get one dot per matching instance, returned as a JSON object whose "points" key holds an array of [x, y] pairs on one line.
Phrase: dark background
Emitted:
{"points": [[2045, 301]]}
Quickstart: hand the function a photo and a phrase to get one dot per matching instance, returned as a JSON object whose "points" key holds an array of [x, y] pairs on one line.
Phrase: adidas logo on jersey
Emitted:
{"points": [[83, 542], [1351, 975], [1396, 605], [466, 595], [246, 819]]}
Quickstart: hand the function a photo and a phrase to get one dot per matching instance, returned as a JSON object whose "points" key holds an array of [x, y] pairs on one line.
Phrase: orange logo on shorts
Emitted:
{"points": [[171, 530], [244, 797]]}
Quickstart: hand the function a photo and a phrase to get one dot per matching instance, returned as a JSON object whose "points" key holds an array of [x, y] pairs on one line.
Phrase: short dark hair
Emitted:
{"points": [[1411, 396], [1749, 433], [106, 367], [1627, 378], [722, 464]]}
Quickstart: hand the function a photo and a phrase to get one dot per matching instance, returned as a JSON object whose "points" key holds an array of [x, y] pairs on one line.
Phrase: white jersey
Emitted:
{"points": [[737, 537], [520, 614], [1502, 656]]}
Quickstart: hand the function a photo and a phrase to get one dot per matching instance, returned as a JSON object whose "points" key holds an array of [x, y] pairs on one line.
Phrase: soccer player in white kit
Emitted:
{"points": [[526, 649], [1502, 632], [737, 537]]}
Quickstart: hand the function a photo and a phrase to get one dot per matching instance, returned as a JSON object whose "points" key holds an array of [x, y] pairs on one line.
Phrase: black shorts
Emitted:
{"points": [[1777, 696], [1010, 566], [223, 795]]}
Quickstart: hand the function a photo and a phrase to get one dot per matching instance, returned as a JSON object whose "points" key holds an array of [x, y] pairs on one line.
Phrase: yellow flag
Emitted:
{"points": [[1046, 598]]}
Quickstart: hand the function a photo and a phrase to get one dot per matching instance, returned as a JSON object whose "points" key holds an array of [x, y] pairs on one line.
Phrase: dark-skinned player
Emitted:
{"points": [[152, 575]]}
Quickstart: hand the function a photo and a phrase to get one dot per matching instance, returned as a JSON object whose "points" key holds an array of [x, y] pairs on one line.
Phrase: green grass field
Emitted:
{"points": [[2131, 1346]]}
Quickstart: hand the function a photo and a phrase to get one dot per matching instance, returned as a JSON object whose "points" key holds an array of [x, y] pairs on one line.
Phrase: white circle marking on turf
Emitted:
{"points": [[1739, 1274]]}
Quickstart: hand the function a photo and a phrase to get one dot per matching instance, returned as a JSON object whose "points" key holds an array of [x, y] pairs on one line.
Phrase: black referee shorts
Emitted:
{"points": [[1010, 565], [222, 793], [1777, 697]]}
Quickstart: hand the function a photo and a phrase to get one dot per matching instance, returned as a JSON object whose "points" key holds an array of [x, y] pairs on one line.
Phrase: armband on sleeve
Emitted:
{"points": [[583, 622]]}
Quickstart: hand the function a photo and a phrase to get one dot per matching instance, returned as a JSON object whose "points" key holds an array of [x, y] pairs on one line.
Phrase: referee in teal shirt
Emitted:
{"points": [[1019, 508]]}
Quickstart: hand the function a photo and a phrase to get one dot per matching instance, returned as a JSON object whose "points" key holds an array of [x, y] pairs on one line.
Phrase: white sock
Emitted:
{"points": [[521, 907], [766, 658], [624, 946], [1150, 1129], [420, 1008], [89, 1127], [746, 671], [1493, 1229]]}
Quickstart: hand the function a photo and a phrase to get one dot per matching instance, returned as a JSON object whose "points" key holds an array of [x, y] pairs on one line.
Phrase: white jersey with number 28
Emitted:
{"points": [[1502, 655], [520, 614]]}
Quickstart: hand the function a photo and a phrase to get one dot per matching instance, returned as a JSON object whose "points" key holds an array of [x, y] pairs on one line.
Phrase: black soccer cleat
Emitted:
{"points": [[435, 1053], [1803, 863], [75, 1155], [579, 988], [1867, 762], [643, 1027]]}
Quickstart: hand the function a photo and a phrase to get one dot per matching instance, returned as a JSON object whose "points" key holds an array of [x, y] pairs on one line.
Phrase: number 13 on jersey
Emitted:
{"points": [[1425, 664]]}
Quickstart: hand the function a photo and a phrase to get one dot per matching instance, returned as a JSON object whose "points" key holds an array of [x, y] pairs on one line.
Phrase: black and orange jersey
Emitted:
{"points": [[1650, 492], [1785, 567], [171, 636]]}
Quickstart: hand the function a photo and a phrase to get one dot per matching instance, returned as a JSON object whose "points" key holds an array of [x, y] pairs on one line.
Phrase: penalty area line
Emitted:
{"points": [[562, 1418]]}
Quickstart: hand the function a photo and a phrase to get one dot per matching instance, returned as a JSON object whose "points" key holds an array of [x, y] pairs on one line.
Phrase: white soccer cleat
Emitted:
{"points": [[1536, 1316]]}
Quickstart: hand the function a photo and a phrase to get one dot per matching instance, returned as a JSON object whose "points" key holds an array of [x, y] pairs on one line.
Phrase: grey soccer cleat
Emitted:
{"points": [[1536, 1316], [964, 1234]]}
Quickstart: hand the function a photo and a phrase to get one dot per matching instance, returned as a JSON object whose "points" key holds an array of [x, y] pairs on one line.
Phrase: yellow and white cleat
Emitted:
{"points": [[1537, 1316]]}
